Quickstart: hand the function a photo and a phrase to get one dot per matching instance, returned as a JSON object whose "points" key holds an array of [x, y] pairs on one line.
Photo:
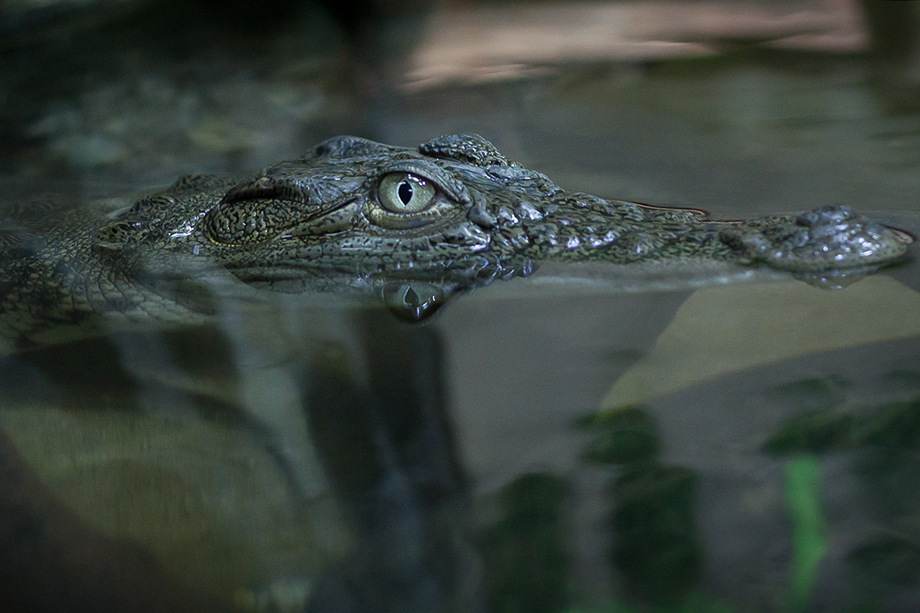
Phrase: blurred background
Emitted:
{"points": [[728, 105]]}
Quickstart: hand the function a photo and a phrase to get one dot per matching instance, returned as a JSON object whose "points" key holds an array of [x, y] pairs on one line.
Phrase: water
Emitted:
{"points": [[342, 455], [585, 439]]}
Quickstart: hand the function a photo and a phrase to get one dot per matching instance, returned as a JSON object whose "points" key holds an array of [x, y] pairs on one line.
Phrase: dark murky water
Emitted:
{"points": [[574, 441]]}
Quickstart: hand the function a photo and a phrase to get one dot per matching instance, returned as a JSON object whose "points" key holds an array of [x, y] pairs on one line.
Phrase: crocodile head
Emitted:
{"points": [[452, 213], [352, 205], [419, 224], [358, 206]]}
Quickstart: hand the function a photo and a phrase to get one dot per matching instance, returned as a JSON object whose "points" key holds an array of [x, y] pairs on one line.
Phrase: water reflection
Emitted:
{"points": [[884, 440], [340, 459], [525, 546], [387, 445], [656, 546]]}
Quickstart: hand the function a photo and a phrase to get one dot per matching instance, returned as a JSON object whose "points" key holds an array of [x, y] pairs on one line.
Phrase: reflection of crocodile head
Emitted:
{"points": [[412, 225]]}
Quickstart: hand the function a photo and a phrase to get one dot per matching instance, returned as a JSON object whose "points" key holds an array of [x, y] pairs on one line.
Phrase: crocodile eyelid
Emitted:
{"points": [[455, 190]]}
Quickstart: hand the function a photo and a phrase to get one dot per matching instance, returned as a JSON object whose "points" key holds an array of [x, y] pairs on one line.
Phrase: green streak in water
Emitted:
{"points": [[809, 544], [809, 541]]}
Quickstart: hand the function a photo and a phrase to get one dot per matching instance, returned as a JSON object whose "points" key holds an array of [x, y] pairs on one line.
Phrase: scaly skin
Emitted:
{"points": [[347, 209]]}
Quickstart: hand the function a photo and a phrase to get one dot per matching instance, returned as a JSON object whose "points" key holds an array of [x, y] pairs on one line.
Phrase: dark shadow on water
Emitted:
{"points": [[387, 446]]}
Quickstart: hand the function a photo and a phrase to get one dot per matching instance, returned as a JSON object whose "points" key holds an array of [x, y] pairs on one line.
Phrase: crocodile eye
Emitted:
{"points": [[404, 192]]}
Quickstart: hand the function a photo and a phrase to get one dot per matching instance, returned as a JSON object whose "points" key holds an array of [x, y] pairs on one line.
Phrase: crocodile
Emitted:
{"points": [[453, 212]]}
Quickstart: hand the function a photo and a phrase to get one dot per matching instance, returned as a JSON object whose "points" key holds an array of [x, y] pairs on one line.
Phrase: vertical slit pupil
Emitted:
{"points": [[405, 192]]}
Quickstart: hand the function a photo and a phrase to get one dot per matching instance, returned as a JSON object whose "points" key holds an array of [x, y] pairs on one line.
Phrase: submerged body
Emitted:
{"points": [[453, 209]]}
